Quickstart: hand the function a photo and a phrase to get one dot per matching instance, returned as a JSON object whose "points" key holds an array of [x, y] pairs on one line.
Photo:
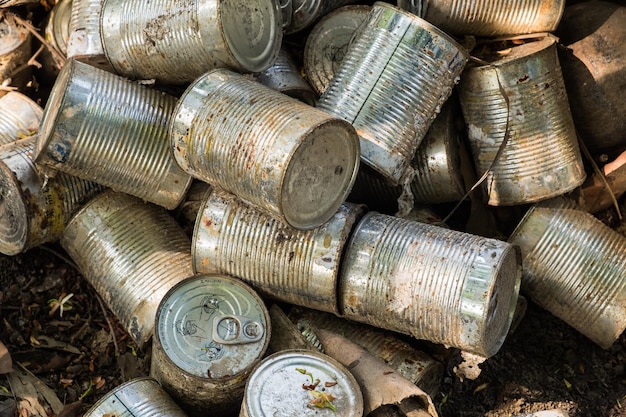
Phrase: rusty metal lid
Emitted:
{"points": [[213, 326], [285, 384]]}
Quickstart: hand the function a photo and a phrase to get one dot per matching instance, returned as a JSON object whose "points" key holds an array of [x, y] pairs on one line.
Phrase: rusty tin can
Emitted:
{"points": [[132, 253], [101, 127], [85, 38], [138, 397], [396, 75], [176, 42], [296, 266], [15, 51], [488, 17], [293, 161], [19, 117], [35, 210], [574, 267], [328, 43], [541, 158], [210, 332], [276, 387], [432, 283]]}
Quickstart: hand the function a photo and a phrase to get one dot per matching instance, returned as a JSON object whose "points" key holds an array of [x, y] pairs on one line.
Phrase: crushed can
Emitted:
{"points": [[210, 332], [20, 117]]}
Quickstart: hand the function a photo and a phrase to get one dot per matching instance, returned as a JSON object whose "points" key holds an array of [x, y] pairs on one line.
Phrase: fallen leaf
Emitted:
{"points": [[6, 363]]}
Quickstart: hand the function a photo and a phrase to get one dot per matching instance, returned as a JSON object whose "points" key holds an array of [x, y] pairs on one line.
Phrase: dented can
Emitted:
{"points": [[33, 209], [398, 72], [138, 397], [15, 51], [488, 17], [296, 266], [278, 386], [574, 267], [210, 332], [101, 127], [132, 253], [432, 283], [85, 38], [176, 42], [19, 117], [292, 161], [541, 158]]}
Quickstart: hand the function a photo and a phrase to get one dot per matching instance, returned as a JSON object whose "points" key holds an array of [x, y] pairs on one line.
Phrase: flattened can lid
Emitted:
{"points": [[285, 384], [328, 42], [213, 326]]}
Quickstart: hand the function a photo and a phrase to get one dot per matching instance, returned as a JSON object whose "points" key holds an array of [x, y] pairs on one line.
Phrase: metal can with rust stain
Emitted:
{"points": [[177, 42], [541, 158], [20, 117], [85, 38], [282, 385], [132, 253], [15, 51], [488, 17], [210, 332], [35, 210], [103, 128], [288, 159], [432, 283], [296, 266], [574, 267], [138, 397], [413, 364], [396, 75], [328, 42]]}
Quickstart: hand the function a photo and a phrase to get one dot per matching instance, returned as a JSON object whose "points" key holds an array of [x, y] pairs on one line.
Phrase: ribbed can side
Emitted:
{"points": [[574, 267], [395, 76], [432, 283], [84, 37], [19, 117], [132, 253]]}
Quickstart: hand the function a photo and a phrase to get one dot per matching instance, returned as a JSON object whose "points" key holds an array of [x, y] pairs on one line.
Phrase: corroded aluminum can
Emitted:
{"points": [[284, 76], [306, 12], [35, 210], [20, 117], [296, 266], [85, 38], [132, 253], [277, 386], [488, 17], [574, 267], [432, 283], [413, 364], [57, 34], [15, 51], [285, 157], [328, 42], [211, 330], [100, 127], [397, 73], [541, 158], [176, 42], [138, 397]]}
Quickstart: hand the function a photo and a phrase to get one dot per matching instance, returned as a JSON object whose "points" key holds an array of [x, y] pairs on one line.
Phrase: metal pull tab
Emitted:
{"points": [[232, 330]]}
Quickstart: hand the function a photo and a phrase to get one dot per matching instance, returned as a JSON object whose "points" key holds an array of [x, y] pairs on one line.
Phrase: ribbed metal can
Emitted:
{"points": [[57, 34], [101, 127], [574, 267], [132, 253], [396, 75], [328, 42], [291, 160], [15, 51], [20, 117], [176, 42], [35, 210], [488, 17], [296, 266], [541, 158], [85, 38], [413, 364], [277, 387], [432, 283], [211, 330], [306, 12], [138, 397]]}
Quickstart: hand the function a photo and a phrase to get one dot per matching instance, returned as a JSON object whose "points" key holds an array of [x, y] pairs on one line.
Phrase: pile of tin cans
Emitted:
{"points": [[201, 159]]}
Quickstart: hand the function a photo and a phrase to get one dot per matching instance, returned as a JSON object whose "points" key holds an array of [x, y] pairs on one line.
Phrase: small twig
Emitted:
{"points": [[54, 51]]}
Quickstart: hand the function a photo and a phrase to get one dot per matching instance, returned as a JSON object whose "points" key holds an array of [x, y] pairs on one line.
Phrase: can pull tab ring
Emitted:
{"points": [[232, 330]]}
